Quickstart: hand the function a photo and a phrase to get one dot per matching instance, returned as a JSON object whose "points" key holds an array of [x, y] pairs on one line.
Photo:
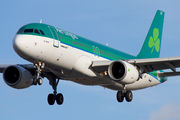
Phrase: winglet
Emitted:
{"points": [[152, 44]]}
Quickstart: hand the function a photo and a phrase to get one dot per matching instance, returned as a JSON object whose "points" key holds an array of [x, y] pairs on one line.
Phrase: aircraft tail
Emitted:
{"points": [[152, 44]]}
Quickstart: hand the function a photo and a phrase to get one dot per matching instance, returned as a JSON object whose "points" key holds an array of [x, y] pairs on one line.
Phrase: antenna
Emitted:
{"points": [[41, 21]]}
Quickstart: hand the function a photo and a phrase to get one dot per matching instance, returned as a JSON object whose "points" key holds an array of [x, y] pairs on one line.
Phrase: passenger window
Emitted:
{"points": [[28, 31], [36, 31], [42, 32]]}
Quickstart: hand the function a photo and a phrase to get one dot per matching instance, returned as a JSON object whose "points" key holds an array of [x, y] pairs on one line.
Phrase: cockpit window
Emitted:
{"points": [[36, 31], [42, 32], [20, 31], [28, 31]]}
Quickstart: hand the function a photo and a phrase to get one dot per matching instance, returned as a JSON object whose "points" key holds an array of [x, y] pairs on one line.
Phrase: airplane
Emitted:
{"points": [[57, 54]]}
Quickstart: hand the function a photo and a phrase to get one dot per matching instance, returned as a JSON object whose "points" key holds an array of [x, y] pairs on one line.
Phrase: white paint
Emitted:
{"points": [[73, 62]]}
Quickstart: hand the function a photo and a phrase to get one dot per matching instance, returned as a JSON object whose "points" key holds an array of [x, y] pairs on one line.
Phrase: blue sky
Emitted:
{"points": [[123, 25]]}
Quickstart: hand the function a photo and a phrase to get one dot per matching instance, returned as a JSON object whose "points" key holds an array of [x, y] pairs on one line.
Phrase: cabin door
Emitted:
{"points": [[55, 36]]}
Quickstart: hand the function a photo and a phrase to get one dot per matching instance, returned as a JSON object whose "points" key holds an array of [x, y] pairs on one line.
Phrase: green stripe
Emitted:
{"points": [[84, 44]]}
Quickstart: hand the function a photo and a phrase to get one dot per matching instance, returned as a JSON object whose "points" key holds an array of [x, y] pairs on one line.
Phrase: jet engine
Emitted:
{"points": [[17, 77], [123, 72]]}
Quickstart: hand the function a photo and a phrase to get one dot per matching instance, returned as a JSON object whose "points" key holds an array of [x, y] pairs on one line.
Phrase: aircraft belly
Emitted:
{"points": [[84, 81], [146, 81]]}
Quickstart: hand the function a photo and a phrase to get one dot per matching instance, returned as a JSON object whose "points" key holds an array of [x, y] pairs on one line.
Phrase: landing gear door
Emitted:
{"points": [[55, 36]]}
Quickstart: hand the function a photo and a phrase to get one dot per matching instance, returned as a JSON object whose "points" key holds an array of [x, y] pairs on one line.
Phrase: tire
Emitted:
{"points": [[34, 81], [59, 99], [128, 96], [39, 81], [51, 99], [120, 96]]}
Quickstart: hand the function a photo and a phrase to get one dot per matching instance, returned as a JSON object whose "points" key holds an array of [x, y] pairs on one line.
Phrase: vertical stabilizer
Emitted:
{"points": [[152, 44]]}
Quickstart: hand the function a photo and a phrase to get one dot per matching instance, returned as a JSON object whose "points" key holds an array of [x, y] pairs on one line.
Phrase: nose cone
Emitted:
{"points": [[19, 45]]}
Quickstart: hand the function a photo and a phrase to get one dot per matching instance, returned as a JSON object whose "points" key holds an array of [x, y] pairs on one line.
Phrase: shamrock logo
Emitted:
{"points": [[154, 42]]}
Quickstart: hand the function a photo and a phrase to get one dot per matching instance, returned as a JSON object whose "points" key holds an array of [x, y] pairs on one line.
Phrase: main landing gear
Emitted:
{"points": [[38, 79], [121, 95], [55, 97]]}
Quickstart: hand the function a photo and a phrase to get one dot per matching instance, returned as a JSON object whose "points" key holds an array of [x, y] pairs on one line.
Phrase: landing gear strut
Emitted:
{"points": [[38, 79], [55, 97], [128, 95]]}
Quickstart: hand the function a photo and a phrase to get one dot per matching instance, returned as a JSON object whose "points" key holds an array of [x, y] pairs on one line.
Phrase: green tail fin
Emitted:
{"points": [[152, 44]]}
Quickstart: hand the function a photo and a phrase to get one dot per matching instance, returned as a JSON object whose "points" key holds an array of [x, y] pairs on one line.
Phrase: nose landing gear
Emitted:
{"points": [[38, 79]]}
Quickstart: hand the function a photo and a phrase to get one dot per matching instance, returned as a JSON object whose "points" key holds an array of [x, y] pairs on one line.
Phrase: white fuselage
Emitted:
{"points": [[70, 63]]}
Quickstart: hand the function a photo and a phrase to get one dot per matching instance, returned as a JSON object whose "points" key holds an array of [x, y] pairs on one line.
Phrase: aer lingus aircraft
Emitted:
{"points": [[57, 54]]}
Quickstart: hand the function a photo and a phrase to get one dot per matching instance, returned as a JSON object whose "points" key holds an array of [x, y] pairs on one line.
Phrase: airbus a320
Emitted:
{"points": [[57, 54]]}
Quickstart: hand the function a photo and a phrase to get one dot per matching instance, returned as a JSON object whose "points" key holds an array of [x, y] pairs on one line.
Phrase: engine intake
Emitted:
{"points": [[17, 77], [123, 72]]}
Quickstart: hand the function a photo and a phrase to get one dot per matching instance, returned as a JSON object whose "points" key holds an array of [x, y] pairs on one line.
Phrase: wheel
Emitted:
{"points": [[39, 81], [128, 96], [120, 96], [34, 81], [51, 99], [59, 99]]}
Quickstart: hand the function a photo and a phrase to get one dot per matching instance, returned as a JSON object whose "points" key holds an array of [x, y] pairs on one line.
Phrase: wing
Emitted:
{"points": [[147, 65], [29, 67], [45, 72], [157, 63], [2, 67]]}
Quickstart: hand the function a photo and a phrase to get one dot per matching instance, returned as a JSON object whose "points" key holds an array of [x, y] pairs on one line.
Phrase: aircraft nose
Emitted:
{"points": [[19, 45]]}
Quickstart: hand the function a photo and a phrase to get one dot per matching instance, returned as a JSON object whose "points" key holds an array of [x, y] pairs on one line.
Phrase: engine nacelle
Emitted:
{"points": [[123, 72], [17, 77]]}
